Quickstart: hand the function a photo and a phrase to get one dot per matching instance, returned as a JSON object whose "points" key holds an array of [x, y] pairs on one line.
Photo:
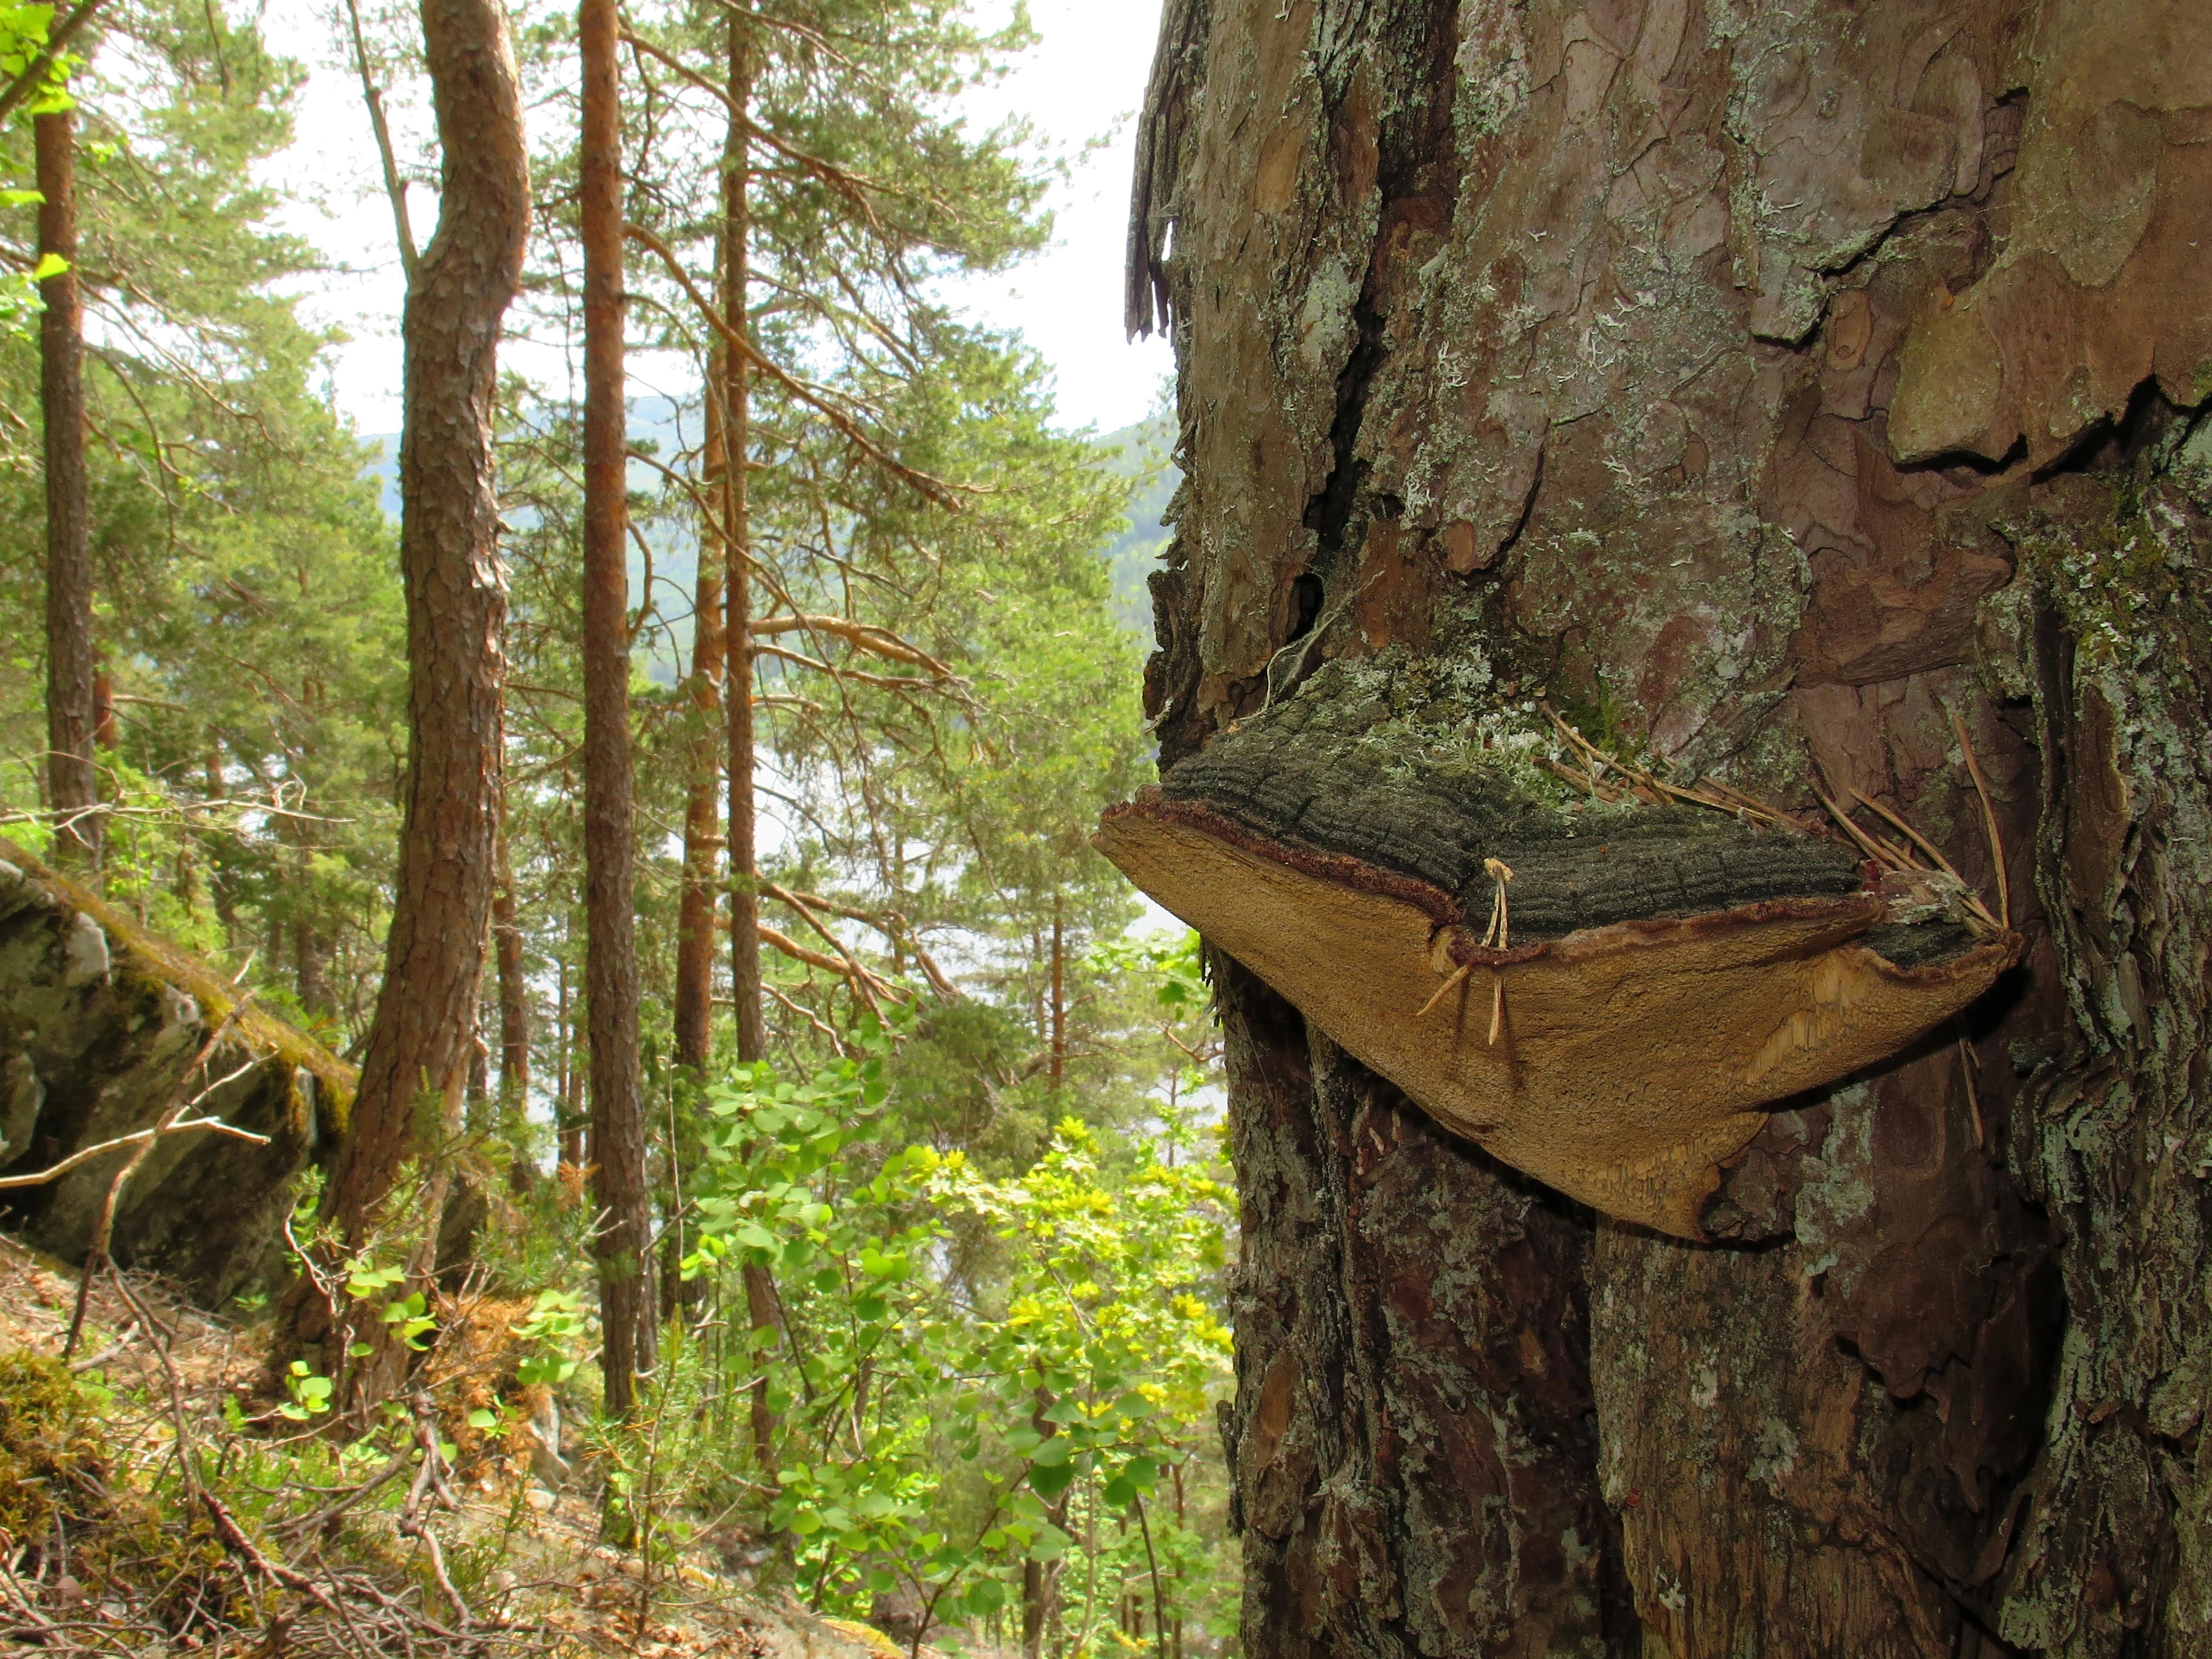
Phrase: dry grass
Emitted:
{"points": [[156, 1506]]}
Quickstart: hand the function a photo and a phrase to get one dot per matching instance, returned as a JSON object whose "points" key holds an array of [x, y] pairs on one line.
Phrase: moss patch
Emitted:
{"points": [[149, 957]]}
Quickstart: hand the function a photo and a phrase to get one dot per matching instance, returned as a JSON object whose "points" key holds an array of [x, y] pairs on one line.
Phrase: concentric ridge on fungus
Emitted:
{"points": [[1668, 974]]}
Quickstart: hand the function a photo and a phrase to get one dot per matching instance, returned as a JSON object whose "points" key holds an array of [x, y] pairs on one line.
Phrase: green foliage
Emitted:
{"points": [[249, 615], [23, 36], [945, 1316], [555, 1319], [308, 1394], [932, 1435]]}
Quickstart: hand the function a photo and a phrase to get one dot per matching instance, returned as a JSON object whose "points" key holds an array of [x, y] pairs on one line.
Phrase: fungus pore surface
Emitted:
{"points": [[1657, 976]]}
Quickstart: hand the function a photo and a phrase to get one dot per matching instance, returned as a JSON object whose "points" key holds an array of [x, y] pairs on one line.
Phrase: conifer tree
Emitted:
{"points": [[841, 185], [610, 963], [73, 786], [244, 607], [418, 1049]]}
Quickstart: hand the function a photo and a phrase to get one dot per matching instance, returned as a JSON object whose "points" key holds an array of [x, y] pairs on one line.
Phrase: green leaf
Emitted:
{"points": [[984, 1597], [1048, 1480]]}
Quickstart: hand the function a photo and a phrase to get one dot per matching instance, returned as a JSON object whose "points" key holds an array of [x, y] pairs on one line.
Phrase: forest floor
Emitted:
{"points": [[136, 1517]]}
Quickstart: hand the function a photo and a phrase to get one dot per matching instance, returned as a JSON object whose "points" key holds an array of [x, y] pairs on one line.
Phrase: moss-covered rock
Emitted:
{"points": [[98, 1023]]}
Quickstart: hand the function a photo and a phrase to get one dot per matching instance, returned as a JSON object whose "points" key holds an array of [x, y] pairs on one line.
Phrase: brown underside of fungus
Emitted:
{"points": [[1616, 1021]]}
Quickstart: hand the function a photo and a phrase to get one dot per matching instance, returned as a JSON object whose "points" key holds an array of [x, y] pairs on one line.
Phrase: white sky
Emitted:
{"points": [[1084, 81]]}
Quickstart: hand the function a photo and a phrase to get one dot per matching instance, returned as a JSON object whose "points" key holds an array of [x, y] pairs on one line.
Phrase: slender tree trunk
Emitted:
{"points": [[574, 1150], [1059, 1038], [1781, 391], [695, 926], [610, 923], [72, 782], [308, 963], [416, 1063], [737, 644], [514, 984], [738, 647], [308, 943], [1040, 1579], [477, 1116]]}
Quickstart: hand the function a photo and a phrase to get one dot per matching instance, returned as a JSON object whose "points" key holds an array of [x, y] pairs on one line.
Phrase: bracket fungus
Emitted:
{"points": [[1658, 976]]}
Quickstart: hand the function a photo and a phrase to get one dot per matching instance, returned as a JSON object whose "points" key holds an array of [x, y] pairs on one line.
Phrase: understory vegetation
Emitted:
{"points": [[935, 1269]]}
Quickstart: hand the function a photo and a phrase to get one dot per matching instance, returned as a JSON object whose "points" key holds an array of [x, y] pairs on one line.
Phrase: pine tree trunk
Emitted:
{"points": [[737, 644], [1789, 394], [737, 637], [420, 1042], [72, 782], [702, 816], [513, 984], [610, 993]]}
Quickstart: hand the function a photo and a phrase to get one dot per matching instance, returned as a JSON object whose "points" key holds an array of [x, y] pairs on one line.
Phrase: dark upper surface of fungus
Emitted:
{"points": [[1301, 781]]}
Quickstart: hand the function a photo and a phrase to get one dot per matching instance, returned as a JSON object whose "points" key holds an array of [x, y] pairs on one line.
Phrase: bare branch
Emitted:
{"points": [[86, 1155], [861, 636], [931, 489], [395, 187]]}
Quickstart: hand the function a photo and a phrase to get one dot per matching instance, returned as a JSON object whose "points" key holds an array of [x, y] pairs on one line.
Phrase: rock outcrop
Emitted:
{"points": [[100, 1023]]}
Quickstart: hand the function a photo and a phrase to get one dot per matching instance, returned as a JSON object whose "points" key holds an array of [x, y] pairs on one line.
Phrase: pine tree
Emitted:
{"points": [[611, 977], [416, 1063]]}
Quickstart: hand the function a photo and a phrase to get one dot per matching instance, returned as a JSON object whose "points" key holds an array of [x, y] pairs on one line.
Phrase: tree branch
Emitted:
{"points": [[35, 72], [395, 187], [932, 489]]}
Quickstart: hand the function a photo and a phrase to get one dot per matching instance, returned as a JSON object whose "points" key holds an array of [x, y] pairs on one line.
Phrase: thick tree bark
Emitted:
{"points": [[1770, 388], [611, 984], [703, 806], [72, 781], [416, 1063], [738, 579]]}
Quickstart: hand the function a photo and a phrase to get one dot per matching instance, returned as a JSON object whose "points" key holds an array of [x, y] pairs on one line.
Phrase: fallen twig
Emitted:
{"points": [[103, 1232], [141, 1137]]}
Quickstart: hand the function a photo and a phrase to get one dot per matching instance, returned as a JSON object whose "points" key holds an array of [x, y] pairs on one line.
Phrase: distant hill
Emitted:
{"points": [[1141, 451]]}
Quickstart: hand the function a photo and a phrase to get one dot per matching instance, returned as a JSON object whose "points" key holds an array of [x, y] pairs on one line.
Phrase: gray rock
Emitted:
{"points": [[85, 958]]}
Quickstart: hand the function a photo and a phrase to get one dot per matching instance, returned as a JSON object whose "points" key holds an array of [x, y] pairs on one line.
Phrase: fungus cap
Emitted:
{"points": [[1623, 1064]]}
